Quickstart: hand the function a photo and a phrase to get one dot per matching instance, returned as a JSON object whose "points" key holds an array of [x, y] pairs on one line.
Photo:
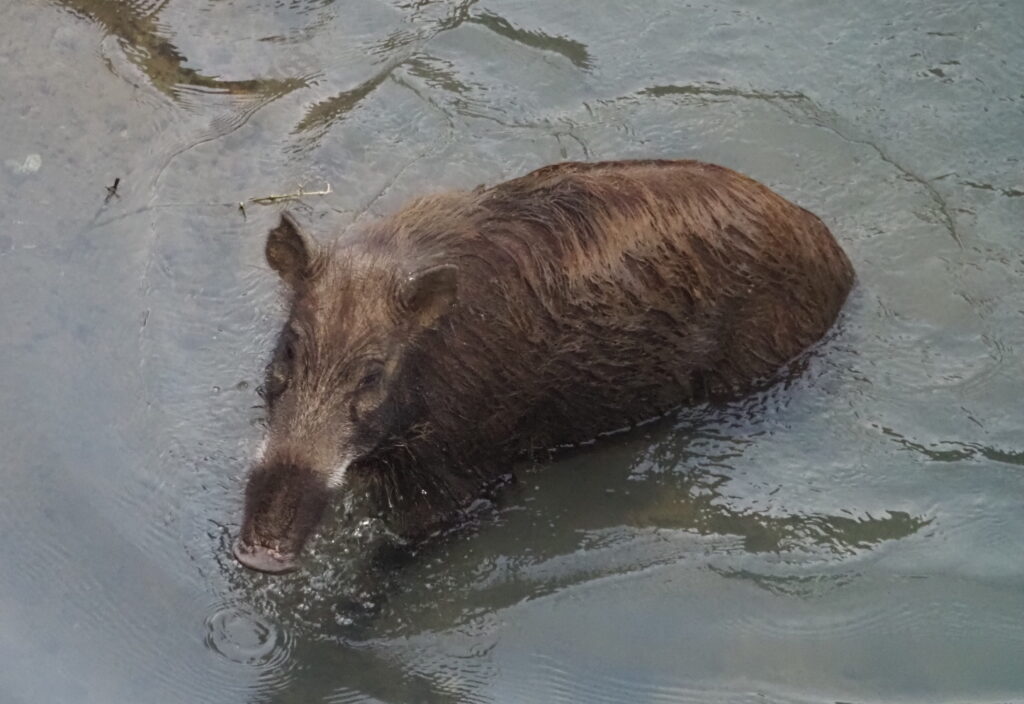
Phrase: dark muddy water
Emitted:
{"points": [[854, 535]]}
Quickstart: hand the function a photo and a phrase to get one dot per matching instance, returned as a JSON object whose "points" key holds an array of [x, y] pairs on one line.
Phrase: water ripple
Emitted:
{"points": [[247, 638]]}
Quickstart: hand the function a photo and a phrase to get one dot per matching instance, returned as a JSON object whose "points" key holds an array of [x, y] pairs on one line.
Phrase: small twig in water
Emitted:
{"points": [[301, 193], [241, 206], [112, 190]]}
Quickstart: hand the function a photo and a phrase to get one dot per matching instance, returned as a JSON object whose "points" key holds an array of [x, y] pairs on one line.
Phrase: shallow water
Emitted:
{"points": [[853, 535]]}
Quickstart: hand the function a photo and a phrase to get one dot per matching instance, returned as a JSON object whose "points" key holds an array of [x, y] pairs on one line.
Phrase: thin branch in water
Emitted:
{"points": [[301, 193]]}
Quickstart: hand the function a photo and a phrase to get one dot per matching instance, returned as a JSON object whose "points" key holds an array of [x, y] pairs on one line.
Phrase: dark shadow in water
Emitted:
{"points": [[954, 451], [437, 73], [801, 586], [358, 669], [324, 113], [571, 49], [685, 489], [712, 89], [614, 522], [703, 511], [158, 58], [321, 115], [368, 672], [361, 654]]}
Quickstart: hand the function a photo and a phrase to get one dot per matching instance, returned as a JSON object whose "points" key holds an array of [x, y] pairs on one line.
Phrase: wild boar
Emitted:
{"points": [[425, 352]]}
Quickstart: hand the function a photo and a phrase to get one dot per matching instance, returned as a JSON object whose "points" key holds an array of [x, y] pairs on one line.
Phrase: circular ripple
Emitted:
{"points": [[247, 638]]}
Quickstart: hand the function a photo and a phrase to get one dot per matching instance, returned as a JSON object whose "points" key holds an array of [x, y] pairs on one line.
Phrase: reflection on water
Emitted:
{"points": [[954, 451], [571, 49], [847, 535], [137, 27], [647, 509]]}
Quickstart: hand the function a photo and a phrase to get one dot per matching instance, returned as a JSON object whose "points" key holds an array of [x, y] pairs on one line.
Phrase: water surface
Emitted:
{"points": [[853, 535]]}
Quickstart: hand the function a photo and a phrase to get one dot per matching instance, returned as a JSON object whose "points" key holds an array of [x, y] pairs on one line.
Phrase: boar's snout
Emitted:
{"points": [[263, 559], [283, 504]]}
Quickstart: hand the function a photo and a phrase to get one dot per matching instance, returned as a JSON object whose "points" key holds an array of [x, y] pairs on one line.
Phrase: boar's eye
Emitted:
{"points": [[280, 368], [371, 378], [276, 382]]}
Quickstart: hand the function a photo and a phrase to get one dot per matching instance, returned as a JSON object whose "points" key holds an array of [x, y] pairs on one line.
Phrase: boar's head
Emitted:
{"points": [[337, 383]]}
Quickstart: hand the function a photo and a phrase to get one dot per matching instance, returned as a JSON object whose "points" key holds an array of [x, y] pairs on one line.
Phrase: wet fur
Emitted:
{"points": [[590, 297]]}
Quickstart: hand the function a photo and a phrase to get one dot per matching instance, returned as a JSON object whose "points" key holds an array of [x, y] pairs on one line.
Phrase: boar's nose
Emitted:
{"points": [[263, 559]]}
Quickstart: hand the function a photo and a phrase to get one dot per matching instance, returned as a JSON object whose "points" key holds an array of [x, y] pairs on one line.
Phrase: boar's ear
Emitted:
{"points": [[290, 252], [428, 293]]}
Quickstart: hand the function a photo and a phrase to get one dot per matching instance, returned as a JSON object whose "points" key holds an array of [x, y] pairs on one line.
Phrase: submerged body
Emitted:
{"points": [[425, 352]]}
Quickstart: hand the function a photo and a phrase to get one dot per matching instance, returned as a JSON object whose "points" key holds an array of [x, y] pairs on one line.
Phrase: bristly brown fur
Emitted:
{"points": [[589, 297]]}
